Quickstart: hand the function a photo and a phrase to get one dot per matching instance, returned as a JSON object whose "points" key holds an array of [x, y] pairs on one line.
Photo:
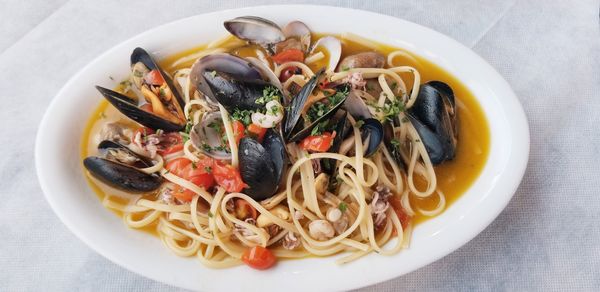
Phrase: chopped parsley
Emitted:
{"points": [[269, 93], [243, 116], [186, 132], [345, 68], [359, 123], [208, 169], [395, 143], [125, 83], [213, 73], [162, 93], [194, 166], [210, 214], [343, 207], [393, 109], [320, 108]]}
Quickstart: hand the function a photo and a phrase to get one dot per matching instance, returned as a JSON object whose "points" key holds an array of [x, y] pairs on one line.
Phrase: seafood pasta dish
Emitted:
{"points": [[277, 142]]}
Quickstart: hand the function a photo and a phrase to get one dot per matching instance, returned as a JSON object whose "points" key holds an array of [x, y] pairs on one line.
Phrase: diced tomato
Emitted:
{"points": [[228, 177], [243, 210], [170, 150], [320, 143], [238, 131], [289, 55], [259, 258], [258, 131], [204, 166], [186, 195], [178, 165], [287, 73], [198, 173], [153, 77], [396, 203]]}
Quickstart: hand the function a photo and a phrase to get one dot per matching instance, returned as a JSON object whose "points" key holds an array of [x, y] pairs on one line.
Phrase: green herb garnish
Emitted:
{"points": [[138, 73], [208, 169], [343, 207], [269, 93], [244, 116]]}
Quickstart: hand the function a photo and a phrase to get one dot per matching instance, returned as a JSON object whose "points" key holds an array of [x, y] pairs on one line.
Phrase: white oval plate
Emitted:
{"points": [[61, 177]]}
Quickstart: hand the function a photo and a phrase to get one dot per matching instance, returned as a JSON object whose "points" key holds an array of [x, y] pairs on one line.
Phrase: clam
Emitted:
{"points": [[120, 167], [299, 31], [362, 60], [233, 92], [434, 117], [207, 136], [255, 30], [224, 63], [262, 165], [333, 48]]}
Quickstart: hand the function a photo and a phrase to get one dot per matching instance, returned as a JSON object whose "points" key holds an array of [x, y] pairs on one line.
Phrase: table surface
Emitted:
{"points": [[546, 239]]}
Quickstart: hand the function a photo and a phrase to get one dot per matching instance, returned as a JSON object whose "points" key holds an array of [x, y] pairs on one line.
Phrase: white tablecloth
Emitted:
{"points": [[547, 238]]}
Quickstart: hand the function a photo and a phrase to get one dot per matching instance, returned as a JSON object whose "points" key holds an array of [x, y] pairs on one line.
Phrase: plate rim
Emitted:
{"points": [[518, 118]]}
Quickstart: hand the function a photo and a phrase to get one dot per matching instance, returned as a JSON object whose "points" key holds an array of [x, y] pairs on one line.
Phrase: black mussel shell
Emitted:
{"points": [[300, 133], [262, 165], [294, 112], [233, 92], [434, 117], [129, 108], [140, 55], [142, 161], [121, 176], [393, 148], [373, 130]]}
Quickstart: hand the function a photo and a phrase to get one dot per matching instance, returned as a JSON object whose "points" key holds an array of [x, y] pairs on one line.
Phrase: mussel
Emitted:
{"points": [[295, 127], [371, 132], [434, 117], [262, 165], [235, 92], [119, 167], [158, 90]]}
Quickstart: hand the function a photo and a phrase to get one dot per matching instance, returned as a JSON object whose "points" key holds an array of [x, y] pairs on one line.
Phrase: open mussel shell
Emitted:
{"points": [[434, 117], [129, 108], [233, 92], [107, 147], [255, 30], [294, 112], [120, 168], [141, 55], [262, 165], [371, 130], [224, 63], [393, 148], [301, 133]]}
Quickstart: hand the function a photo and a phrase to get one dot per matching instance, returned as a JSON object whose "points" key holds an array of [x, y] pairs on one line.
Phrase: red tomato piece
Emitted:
{"points": [[320, 143], [289, 55], [395, 201], [153, 77], [228, 177], [259, 258], [238, 131], [258, 131]]}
